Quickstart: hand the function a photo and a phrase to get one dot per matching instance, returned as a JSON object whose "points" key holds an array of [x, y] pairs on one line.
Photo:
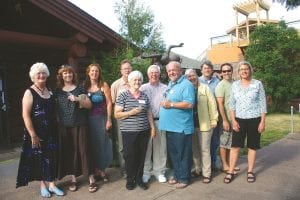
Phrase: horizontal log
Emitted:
{"points": [[34, 39], [80, 37]]}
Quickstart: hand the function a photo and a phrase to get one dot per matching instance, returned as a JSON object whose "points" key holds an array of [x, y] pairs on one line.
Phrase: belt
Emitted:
{"points": [[156, 118]]}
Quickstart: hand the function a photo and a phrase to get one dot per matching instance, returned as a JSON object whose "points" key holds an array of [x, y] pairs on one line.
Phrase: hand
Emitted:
{"points": [[72, 97], [213, 125], [135, 111], [166, 104], [235, 126], [153, 132], [261, 127], [226, 125], [35, 142], [108, 124]]}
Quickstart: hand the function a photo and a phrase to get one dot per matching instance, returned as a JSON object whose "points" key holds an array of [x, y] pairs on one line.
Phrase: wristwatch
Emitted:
{"points": [[172, 105]]}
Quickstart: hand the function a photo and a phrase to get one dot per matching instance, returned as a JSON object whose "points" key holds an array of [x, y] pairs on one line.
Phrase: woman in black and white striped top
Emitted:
{"points": [[136, 122]]}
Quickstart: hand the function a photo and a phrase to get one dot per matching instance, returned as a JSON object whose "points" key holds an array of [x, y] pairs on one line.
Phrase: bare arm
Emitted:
{"points": [[150, 118], [235, 124], [120, 114], [107, 94], [226, 125], [26, 110], [179, 105]]}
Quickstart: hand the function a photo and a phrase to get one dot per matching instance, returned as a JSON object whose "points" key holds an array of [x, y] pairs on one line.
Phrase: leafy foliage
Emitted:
{"points": [[110, 63], [274, 52], [138, 25], [289, 4]]}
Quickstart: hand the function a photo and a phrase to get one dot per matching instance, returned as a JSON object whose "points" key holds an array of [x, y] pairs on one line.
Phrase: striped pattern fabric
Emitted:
{"points": [[137, 122]]}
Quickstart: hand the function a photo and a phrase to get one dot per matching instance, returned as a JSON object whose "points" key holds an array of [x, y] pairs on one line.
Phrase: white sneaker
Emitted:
{"points": [[146, 178], [161, 178]]}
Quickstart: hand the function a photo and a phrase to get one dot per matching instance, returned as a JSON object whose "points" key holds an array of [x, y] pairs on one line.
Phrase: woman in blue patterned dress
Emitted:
{"points": [[40, 144], [99, 120]]}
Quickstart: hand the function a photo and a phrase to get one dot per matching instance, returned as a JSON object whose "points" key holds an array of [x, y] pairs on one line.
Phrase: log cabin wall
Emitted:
{"points": [[54, 32]]}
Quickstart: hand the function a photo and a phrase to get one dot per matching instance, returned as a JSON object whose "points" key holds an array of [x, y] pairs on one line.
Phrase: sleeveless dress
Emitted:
{"points": [[101, 144], [39, 163]]}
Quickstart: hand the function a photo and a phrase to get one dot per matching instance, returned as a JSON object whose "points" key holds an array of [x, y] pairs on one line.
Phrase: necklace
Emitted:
{"points": [[41, 90]]}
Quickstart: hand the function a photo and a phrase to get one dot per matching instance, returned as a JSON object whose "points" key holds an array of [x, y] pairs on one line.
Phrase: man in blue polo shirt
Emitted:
{"points": [[176, 118]]}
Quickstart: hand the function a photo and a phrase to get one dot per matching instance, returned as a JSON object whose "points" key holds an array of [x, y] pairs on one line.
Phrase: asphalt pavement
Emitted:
{"points": [[277, 178]]}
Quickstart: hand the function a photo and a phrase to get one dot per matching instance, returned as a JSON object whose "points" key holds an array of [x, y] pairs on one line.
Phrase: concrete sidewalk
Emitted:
{"points": [[277, 170]]}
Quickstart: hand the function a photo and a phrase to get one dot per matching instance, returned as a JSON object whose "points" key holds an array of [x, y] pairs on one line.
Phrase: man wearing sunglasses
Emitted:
{"points": [[222, 96]]}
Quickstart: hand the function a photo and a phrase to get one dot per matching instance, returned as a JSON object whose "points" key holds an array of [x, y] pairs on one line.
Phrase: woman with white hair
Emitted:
{"points": [[133, 110], [205, 120], [40, 143]]}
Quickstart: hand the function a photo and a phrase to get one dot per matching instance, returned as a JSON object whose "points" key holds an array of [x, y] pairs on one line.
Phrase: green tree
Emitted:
{"points": [[138, 26], [274, 53], [289, 4]]}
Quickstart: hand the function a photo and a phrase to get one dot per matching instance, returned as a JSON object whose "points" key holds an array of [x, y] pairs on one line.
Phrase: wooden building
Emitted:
{"points": [[55, 32]]}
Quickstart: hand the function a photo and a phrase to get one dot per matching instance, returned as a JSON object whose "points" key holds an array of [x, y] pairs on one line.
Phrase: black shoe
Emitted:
{"points": [[143, 185], [130, 186]]}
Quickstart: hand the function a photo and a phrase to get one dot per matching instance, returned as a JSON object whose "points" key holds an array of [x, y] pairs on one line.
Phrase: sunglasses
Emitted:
{"points": [[224, 71]]}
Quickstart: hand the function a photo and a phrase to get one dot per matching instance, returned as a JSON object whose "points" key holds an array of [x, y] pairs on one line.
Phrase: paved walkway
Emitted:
{"points": [[277, 169]]}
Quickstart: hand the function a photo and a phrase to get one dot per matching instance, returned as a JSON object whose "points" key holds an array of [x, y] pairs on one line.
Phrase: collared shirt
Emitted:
{"points": [[207, 108], [248, 102], [212, 83], [174, 119], [223, 91], [117, 87], [155, 94]]}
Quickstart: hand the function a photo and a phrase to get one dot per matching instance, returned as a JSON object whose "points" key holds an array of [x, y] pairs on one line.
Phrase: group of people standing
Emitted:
{"points": [[67, 130]]}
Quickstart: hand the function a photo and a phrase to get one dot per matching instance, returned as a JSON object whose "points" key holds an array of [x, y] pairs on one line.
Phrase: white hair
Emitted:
{"points": [[36, 68], [188, 71], [153, 67], [135, 74]]}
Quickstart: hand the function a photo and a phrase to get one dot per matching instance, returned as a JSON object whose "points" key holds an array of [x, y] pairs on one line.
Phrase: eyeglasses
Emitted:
{"points": [[226, 71]]}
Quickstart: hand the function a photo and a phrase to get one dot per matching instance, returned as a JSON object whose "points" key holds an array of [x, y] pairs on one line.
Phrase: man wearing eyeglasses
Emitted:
{"points": [[222, 96], [116, 88]]}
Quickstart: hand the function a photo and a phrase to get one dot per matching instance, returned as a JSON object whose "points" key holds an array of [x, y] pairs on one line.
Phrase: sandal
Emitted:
{"points": [[226, 171], [237, 169], [73, 186], [206, 180], [172, 181], [181, 185], [105, 178], [195, 174], [251, 177], [228, 178], [93, 187]]}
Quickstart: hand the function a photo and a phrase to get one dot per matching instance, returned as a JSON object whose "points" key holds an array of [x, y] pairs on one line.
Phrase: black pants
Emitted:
{"points": [[135, 147]]}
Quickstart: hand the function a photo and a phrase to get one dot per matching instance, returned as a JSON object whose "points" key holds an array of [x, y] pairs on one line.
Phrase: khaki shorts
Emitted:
{"points": [[225, 139]]}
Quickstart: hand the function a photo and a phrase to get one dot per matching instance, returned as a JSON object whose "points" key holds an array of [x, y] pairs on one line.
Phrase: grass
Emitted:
{"points": [[277, 127]]}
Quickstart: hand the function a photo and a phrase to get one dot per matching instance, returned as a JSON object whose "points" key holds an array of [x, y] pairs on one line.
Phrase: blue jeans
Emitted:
{"points": [[215, 143], [180, 151]]}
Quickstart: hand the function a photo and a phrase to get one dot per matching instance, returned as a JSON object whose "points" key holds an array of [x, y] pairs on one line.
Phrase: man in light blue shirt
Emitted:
{"points": [[176, 118], [207, 70]]}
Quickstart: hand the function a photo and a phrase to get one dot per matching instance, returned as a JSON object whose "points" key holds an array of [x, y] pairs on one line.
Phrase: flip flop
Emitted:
{"points": [[45, 193]]}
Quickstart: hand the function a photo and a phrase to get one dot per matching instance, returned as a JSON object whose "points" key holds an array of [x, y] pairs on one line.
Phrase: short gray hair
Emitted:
{"points": [[135, 74], [188, 71], [36, 68], [153, 67]]}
